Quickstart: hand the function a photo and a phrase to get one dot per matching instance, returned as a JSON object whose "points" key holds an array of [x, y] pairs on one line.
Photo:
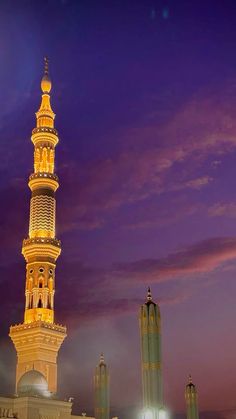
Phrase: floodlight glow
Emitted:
{"points": [[148, 414], [163, 414]]}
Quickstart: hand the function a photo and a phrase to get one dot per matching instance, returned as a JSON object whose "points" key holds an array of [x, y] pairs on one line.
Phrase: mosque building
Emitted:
{"points": [[38, 338]]}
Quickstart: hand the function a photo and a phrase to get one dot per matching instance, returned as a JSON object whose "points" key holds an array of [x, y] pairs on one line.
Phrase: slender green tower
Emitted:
{"points": [[101, 388], [191, 398], [150, 332]]}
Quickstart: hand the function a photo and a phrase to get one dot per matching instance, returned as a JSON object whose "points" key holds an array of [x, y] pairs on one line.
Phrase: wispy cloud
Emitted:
{"points": [[201, 257], [220, 209], [187, 263], [153, 159], [198, 183], [163, 216]]}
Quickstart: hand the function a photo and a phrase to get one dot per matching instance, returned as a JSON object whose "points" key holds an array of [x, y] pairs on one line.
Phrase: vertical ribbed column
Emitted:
{"points": [[150, 334], [191, 399], [101, 389]]}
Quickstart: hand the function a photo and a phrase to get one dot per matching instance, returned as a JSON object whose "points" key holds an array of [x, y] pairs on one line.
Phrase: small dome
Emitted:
{"points": [[46, 84], [33, 383]]}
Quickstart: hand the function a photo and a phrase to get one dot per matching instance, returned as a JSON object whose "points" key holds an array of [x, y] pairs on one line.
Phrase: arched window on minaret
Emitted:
{"points": [[41, 281], [40, 305]]}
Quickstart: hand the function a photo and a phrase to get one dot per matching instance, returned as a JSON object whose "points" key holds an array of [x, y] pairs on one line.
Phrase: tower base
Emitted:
{"points": [[37, 345]]}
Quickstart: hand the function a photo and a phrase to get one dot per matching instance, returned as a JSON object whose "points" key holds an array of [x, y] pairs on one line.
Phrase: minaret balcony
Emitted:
{"points": [[42, 134], [41, 248], [45, 129], [43, 180]]}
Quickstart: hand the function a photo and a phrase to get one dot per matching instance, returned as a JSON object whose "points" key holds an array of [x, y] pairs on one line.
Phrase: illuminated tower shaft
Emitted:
{"points": [[41, 249], [101, 388], [38, 339], [191, 399], [150, 332]]}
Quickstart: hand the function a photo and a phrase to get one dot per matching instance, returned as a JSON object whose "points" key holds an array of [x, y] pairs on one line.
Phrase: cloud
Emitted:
{"points": [[198, 183], [116, 289], [163, 217], [221, 209], [112, 307], [111, 184], [216, 163], [152, 159], [201, 257]]}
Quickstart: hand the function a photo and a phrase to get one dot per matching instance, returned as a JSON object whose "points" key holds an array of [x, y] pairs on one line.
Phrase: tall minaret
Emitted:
{"points": [[191, 398], [150, 332], [38, 339], [101, 388]]}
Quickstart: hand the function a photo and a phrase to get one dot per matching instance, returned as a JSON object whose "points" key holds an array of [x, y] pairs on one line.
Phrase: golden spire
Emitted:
{"points": [[46, 84], [190, 379]]}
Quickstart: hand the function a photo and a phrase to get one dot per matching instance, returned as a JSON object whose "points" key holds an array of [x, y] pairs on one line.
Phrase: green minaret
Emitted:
{"points": [[150, 332], [191, 400], [101, 388]]}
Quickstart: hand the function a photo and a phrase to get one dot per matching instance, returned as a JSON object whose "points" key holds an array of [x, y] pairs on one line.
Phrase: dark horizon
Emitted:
{"points": [[145, 99]]}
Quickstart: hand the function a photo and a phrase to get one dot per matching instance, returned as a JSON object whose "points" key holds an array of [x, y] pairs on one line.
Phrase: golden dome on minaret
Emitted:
{"points": [[46, 84]]}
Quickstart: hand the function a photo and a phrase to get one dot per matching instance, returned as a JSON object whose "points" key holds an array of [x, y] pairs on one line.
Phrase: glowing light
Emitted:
{"points": [[163, 414], [41, 250], [148, 414], [155, 414]]}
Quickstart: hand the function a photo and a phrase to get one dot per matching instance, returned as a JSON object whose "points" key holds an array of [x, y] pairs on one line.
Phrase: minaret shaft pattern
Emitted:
{"points": [[38, 339], [150, 333]]}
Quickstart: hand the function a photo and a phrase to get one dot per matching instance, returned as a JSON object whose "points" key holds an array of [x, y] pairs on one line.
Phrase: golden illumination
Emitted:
{"points": [[37, 345], [38, 339], [43, 180], [44, 159]]}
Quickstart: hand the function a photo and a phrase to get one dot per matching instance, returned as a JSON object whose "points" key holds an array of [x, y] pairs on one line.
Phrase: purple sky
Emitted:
{"points": [[145, 97]]}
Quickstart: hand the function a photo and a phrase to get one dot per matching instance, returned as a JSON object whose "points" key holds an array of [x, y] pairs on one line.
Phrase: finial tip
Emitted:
{"points": [[46, 61], [102, 360], [149, 294], [46, 84]]}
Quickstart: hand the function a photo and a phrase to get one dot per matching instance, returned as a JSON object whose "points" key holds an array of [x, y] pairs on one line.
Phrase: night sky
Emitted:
{"points": [[145, 99]]}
